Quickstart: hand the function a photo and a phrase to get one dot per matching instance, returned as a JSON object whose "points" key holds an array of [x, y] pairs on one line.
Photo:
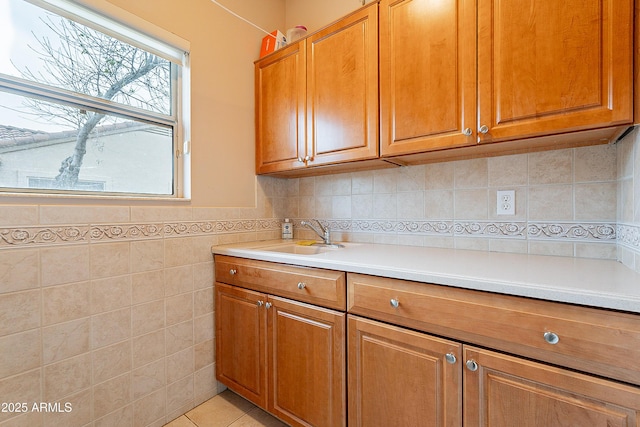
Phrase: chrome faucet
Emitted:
{"points": [[324, 233]]}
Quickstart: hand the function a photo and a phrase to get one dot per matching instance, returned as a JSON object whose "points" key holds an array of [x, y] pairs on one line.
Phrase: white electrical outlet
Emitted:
{"points": [[506, 202]]}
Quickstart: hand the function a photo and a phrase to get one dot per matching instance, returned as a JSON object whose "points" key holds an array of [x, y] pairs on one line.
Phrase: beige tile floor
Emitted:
{"points": [[227, 409]]}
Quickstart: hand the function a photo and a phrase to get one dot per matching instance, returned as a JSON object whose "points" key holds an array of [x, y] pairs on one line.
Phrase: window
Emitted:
{"points": [[88, 104]]}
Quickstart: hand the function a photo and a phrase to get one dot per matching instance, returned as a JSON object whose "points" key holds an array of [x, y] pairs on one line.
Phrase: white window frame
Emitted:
{"points": [[122, 25]]}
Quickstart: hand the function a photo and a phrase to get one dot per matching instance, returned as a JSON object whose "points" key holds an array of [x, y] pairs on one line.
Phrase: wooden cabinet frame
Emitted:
{"points": [[499, 390], [297, 360], [509, 391], [286, 356], [523, 76], [427, 76], [306, 361], [532, 84], [317, 100], [280, 102], [401, 377]]}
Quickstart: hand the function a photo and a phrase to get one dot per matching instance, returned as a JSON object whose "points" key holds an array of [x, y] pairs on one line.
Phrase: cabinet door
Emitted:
{"points": [[240, 341], [548, 66], [307, 378], [280, 91], [398, 377], [427, 75], [342, 79], [506, 391]]}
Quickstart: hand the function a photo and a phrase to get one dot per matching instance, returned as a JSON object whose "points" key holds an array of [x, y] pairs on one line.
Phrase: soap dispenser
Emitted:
{"points": [[287, 229]]}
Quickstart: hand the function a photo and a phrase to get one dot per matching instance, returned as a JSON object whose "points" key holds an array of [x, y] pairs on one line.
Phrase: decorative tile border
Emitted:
{"points": [[126, 231], [177, 229], [418, 227], [570, 231], [628, 235], [230, 226], [66, 234], [27, 236], [594, 232], [491, 229]]}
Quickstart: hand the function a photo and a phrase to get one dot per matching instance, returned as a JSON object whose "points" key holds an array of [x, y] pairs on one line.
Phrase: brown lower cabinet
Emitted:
{"points": [[400, 377], [418, 354], [285, 356], [505, 391]]}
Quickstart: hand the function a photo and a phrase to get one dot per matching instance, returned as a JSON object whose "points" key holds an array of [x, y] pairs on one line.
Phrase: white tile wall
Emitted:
{"points": [[628, 200], [111, 309]]}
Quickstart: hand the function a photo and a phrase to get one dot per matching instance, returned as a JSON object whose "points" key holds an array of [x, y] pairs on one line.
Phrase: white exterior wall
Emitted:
{"points": [[143, 169]]}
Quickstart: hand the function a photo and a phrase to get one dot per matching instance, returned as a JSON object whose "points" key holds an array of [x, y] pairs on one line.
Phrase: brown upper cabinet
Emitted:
{"points": [[456, 79], [317, 100], [280, 90], [463, 72], [427, 75]]}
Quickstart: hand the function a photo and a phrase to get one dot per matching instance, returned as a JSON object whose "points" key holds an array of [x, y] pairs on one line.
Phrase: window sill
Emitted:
{"points": [[93, 197]]}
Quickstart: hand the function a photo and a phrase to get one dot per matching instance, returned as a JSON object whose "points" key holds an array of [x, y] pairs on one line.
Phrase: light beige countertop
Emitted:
{"points": [[591, 282]]}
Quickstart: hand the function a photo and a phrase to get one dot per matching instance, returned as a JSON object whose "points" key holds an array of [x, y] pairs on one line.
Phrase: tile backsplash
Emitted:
{"points": [[110, 308], [566, 203]]}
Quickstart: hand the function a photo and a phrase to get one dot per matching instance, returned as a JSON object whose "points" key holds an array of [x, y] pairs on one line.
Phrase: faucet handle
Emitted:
{"points": [[322, 227], [323, 232]]}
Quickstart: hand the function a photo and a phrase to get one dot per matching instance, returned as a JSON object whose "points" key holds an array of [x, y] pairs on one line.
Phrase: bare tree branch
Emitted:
{"points": [[86, 61]]}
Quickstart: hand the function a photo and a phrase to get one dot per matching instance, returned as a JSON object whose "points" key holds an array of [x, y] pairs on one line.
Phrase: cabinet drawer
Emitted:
{"points": [[326, 288], [593, 340]]}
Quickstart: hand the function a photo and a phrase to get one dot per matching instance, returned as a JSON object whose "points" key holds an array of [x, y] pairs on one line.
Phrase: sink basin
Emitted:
{"points": [[292, 248]]}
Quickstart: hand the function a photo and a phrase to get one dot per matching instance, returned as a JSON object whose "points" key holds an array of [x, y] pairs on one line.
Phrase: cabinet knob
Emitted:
{"points": [[302, 285], [472, 365], [260, 303], [268, 305], [551, 337], [467, 132], [308, 158], [483, 129], [450, 358], [233, 271], [300, 159], [394, 303]]}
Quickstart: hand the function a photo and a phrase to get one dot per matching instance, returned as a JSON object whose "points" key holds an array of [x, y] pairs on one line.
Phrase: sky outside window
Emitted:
{"points": [[17, 21], [22, 25]]}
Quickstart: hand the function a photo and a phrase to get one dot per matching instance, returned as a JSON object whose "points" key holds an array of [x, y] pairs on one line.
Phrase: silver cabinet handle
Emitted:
{"points": [[308, 158], [467, 132], [233, 271], [483, 129], [394, 303], [268, 305], [300, 159], [260, 303], [450, 358], [472, 365], [302, 285], [551, 337]]}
